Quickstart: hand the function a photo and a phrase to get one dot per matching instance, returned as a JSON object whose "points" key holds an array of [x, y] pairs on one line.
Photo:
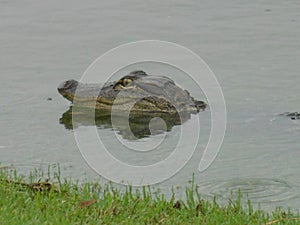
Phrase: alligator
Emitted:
{"points": [[136, 92]]}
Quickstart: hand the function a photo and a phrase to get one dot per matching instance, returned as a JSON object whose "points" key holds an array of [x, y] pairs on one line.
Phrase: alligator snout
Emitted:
{"points": [[67, 85], [68, 88]]}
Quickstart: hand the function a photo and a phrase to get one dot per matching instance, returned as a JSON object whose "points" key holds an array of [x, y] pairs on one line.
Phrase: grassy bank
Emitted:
{"points": [[57, 202]]}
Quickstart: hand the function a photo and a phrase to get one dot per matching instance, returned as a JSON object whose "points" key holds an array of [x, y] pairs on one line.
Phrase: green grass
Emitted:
{"points": [[65, 202]]}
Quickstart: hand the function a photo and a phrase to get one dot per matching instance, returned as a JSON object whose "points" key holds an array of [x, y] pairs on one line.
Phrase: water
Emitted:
{"points": [[252, 47]]}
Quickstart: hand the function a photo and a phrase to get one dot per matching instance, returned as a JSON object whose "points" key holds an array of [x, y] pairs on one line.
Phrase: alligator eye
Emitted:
{"points": [[126, 82], [122, 83]]}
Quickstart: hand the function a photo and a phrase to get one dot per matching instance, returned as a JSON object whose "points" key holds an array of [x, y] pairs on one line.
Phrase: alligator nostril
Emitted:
{"points": [[69, 84]]}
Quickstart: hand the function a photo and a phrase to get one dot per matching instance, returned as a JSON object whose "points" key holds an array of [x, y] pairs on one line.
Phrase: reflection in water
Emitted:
{"points": [[140, 125]]}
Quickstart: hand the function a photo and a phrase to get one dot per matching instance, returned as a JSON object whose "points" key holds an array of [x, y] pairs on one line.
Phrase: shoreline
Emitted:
{"points": [[35, 200]]}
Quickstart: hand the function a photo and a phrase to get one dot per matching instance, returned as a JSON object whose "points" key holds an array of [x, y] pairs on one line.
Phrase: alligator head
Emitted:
{"points": [[136, 91]]}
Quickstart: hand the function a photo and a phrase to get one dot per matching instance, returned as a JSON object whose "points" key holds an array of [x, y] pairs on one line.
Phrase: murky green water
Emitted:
{"points": [[253, 48]]}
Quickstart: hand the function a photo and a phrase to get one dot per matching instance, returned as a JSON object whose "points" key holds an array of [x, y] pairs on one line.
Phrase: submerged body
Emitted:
{"points": [[292, 115], [137, 92]]}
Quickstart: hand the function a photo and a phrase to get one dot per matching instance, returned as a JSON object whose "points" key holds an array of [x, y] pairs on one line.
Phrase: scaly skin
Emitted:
{"points": [[137, 92]]}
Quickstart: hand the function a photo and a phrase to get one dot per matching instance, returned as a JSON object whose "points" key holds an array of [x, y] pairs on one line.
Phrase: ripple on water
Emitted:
{"points": [[256, 190]]}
